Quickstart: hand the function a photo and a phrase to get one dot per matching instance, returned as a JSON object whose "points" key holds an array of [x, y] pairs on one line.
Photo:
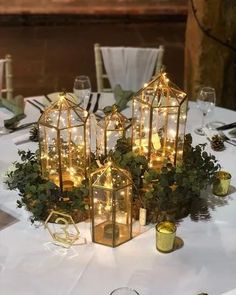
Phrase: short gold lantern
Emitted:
{"points": [[64, 135], [159, 119], [109, 129], [111, 205]]}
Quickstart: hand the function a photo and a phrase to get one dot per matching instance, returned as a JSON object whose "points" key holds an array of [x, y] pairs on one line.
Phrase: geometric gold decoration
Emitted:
{"points": [[62, 228], [64, 141], [111, 191], [159, 119], [109, 129]]}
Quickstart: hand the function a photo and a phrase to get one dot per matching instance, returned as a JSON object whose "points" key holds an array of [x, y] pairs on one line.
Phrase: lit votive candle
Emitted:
{"points": [[110, 230], [165, 236], [221, 183]]}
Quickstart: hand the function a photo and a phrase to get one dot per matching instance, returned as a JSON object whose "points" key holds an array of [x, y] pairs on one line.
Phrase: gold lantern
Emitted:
{"points": [[159, 119], [111, 205], [109, 129], [64, 134]]}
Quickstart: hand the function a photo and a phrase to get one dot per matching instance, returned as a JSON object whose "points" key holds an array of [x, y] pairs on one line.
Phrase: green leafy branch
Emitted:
{"points": [[39, 195], [173, 188]]}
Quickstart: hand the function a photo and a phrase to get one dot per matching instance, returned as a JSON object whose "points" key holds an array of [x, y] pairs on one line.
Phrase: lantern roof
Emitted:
{"points": [[114, 121], [161, 92], [111, 177], [63, 113]]}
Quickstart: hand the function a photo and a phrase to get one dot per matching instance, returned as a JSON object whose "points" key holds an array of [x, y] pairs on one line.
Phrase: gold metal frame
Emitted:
{"points": [[108, 127], [64, 236], [160, 105], [64, 143], [111, 190]]}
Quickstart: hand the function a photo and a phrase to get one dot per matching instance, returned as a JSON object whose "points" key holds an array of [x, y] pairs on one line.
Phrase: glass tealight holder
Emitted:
{"points": [[124, 291], [165, 236], [221, 183]]}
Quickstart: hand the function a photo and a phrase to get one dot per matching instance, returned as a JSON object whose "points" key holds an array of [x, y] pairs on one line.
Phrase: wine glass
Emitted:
{"points": [[205, 103], [82, 89], [3, 129], [124, 291]]}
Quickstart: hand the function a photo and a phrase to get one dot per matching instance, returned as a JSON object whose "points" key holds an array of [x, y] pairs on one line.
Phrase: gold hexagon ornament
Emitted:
{"points": [[62, 228]]}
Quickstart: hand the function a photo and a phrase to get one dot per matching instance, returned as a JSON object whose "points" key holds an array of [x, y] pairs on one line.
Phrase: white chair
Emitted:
{"points": [[6, 85], [104, 80], [14, 103]]}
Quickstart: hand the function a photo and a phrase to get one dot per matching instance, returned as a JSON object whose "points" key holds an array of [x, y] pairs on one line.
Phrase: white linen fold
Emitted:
{"points": [[1, 73], [129, 66]]}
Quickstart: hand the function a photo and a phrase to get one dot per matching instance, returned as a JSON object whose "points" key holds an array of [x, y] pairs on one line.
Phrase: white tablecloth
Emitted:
{"points": [[31, 265]]}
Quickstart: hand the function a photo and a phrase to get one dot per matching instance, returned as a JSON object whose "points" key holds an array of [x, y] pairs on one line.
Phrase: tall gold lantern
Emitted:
{"points": [[109, 129], [111, 205], [159, 119], [64, 135]]}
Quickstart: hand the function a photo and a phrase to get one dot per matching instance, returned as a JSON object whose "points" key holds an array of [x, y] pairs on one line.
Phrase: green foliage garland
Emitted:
{"points": [[170, 191], [39, 195]]}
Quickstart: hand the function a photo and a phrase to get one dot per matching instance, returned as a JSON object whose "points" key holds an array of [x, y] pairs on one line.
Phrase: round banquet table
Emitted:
{"points": [[31, 265]]}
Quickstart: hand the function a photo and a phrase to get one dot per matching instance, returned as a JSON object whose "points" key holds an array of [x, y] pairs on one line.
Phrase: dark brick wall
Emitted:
{"points": [[47, 58], [93, 6], [49, 50]]}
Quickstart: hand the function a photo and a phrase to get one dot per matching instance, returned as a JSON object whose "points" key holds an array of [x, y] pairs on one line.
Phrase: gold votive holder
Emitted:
{"points": [[221, 183], [165, 236]]}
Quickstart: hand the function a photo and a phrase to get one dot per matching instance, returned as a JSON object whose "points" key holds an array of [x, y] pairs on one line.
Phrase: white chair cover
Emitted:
{"points": [[128, 66], [1, 73]]}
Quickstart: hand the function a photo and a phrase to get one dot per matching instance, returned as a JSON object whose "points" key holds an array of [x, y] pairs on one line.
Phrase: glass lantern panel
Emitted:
{"points": [[141, 127], [181, 133], [115, 121], [159, 122], [112, 216], [65, 147], [167, 99], [79, 114], [112, 137], [50, 117], [103, 223], [171, 134], [122, 199], [147, 95], [63, 114], [72, 155], [49, 153], [110, 178], [87, 137], [64, 120], [109, 129], [100, 140], [72, 117], [164, 135]]}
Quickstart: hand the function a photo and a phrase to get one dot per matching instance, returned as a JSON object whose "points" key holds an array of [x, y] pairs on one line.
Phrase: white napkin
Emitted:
{"points": [[21, 139], [129, 66], [231, 292]]}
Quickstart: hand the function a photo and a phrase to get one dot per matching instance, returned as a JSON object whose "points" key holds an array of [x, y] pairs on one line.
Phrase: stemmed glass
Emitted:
{"points": [[124, 291], [82, 89], [205, 103], [3, 129]]}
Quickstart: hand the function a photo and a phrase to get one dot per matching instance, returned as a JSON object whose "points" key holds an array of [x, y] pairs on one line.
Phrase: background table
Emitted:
{"points": [[31, 265]]}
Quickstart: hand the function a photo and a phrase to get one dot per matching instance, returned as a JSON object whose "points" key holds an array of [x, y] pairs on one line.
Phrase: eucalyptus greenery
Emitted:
{"points": [[173, 189], [170, 191], [39, 195], [122, 97]]}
